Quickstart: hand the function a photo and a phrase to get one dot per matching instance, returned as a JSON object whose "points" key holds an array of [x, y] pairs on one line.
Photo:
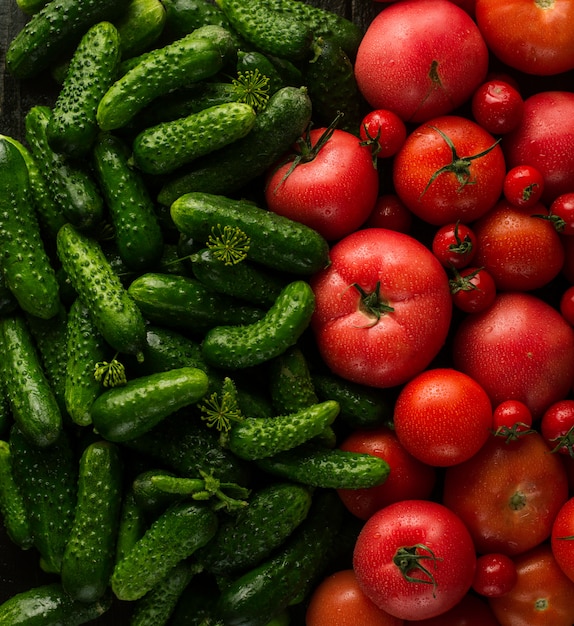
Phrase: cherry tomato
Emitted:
{"points": [[523, 186], [495, 575], [390, 212], [415, 559], [562, 213], [472, 610], [497, 107], [567, 305], [562, 538], [384, 131], [557, 426], [454, 245], [511, 419], [473, 289], [442, 417]]}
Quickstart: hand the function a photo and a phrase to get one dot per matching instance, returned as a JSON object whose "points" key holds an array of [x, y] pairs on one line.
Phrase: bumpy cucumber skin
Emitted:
{"points": [[129, 411], [255, 438], [32, 401], [113, 311], [290, 382], [132, 524], [171, 145], [227, 170], [275, 241], [237, 347], [73, 128], [137, 229], [192, 58], [57, 27], [174, 536], [140, 26], [254, 60], [185, 16], [88, 559], [23, 260]]}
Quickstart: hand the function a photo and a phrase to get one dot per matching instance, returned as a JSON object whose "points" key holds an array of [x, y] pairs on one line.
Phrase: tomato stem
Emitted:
{"points": [[371, 302], [408, 559], [564, 441]]}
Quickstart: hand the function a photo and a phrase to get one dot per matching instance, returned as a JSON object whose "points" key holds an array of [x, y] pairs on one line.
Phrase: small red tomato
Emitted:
{"points": [[567, 305], [473, 289], [511, 419], [562, 213], [391, 213], [523, 186], [497, 106], [495, 575], [454, 245], [384, 130], [557, 426], [562, 538]]}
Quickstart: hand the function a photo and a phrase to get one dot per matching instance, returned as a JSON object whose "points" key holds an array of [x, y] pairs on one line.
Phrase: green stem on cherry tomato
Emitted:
{"points": [[565, 441], [514, 432], [556, 221], [462, 283], [408, 559], [371, 302]]}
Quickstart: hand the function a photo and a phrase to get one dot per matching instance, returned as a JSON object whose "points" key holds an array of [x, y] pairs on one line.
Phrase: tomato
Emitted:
{"points": [[338, 600], [384, 130], [562, 213], [409, 478], [507, 494], [520, 250], [415, 559], [562, 538], [473, 289], [536, 37], [390, 212], [449, 169], [523, 186], [511, 419], [495, 575], [383, 308], [497, 106], [454, 245], [567, 305], [543, 139], [543, 594], [470, 611], [557, 426], [433, 46], [332, 188], [520, 348]]}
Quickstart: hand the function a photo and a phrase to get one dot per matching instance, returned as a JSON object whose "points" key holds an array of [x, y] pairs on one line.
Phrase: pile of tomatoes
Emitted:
{"points": [[451, 286]]}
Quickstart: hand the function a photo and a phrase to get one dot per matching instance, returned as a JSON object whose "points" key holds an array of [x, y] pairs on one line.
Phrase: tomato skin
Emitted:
{"points": [[507, 494], [514, 356], [495, 575], [433, 46], [389, 212], [339, 600], [562, 213], [557, 426], [442, 417], [567, 305], [333, 193], [391, 350], [470, 611], [473, 289], [497, 107], [523, 186], [387, 131], [409, 479], [543, 594], [511, 419], [435, 530], [454, 245], [561, 538], [441, 197]]}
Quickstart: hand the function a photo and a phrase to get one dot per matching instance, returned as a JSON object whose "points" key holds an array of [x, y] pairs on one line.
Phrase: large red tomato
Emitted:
{"points": [[520, 348], [508, 494], [449, 169], [383, 307], [470, 611], [420, 59], [533, 36]]}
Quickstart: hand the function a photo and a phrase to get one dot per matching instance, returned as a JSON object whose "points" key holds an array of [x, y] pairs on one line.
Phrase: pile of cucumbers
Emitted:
{"points": [[168, 435]]}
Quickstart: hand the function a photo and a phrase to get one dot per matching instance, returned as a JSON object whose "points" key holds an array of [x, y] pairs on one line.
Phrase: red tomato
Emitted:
{"points": [[519, 250], [454, 245], [470, 611], [533, 37], [389, 212], [543, 594], [562, 213], [433, 46], [562, 538], [442, 417], [523, 186], [383, 308], [384, 131], [332, 191], [511, 419], [567, 305], [495, 575], [414, 559], [507, 494], [409, 478], [497, 107], [520, 348], [557, 426], [449, 169], [473, 289], [339, 601]]}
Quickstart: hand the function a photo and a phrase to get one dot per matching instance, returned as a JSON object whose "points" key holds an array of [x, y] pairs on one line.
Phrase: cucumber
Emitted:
{"points": [[256, 61], [317, 466], [54, 30], [140, 26], [32, 401], [290, 382], [227, 170], [236, 347], [24, 262], [132, 524], [73, 128], [256, 438], [174, 536], [196, 607], [50, 605], [185, 16], [71, 184], [168, 146], [276, 242], [147, 496], [193, 58], [126, 412], [137, 230], [31, 6], [88, 558], [114, 312]]}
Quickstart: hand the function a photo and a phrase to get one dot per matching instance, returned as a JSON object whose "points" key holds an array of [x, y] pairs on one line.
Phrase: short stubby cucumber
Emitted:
{"points": [[170, 145], [140, 26], [237, 347]]}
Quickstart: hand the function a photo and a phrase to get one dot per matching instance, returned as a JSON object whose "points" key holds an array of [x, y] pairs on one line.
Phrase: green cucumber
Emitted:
{"points": [[275, 241], [113, 310], [168, 146], [31, 6], [236, 347], [24, 261], [73, 128], [140, 26], [256, 438], [147, 496], [185, 16], [132, 524], [195, 57], [55, 29], [137, 230], [88, 559], [196, 607], [256, 61], [126, 412], [227, 170], [173, 537], [290, 382]]}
